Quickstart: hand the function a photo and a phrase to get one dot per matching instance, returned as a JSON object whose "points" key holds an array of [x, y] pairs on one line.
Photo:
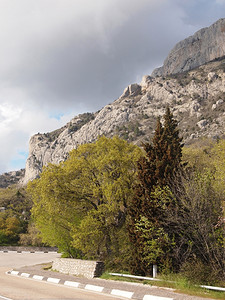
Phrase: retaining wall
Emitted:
{"points": [[78, 267]]}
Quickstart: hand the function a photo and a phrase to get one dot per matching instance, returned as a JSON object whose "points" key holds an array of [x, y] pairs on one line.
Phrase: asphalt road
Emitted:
{"points": [[19, 288]]}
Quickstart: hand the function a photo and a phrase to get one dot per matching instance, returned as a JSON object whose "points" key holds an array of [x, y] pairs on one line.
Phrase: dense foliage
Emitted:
{"points": [[148, 235], [128, 206], [81, 204], [15, 206], [176, 216], [197, 223]]}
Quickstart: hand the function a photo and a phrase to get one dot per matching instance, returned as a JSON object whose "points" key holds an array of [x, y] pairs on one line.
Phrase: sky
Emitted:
{"points": [[60, 58]]}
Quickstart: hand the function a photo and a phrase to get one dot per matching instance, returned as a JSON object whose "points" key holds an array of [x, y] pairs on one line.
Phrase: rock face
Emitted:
{"points": [[204, 46], [11, 178], [196, 98]]}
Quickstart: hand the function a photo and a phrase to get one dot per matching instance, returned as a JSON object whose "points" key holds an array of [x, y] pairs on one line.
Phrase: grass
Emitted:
{"points": [[47, 266], [177, 282], [107, 276]]}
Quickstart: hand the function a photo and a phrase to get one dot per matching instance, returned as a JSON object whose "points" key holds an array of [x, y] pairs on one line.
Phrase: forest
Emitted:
{"points": [[129, 206]]}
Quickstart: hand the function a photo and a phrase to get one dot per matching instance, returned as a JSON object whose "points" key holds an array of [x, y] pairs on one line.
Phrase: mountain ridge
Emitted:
{"points": [[206, 45], [195, 94], [196, 98]]}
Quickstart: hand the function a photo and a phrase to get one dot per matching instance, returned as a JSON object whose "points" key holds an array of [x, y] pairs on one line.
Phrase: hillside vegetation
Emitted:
{"points": [[133, 207]]}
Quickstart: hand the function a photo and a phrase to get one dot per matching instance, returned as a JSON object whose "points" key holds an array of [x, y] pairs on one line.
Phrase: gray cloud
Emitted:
{"points": [[201, 13], [87, 59]]}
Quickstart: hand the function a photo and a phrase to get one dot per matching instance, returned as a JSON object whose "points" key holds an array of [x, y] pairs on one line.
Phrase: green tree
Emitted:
{"points": [[156, 169], [200, 200], [82, 203], [190, 234], [197, 222], [16, 206], [31, 237], [10, 229], [16, 202], [206, 154]]}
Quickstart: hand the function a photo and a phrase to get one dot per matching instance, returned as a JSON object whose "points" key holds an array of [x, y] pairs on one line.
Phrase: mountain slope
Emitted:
{"points": [[196, 98]]}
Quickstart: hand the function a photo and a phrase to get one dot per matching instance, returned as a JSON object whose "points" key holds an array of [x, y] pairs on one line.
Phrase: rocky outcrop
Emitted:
{"points": [[132, 90], [196, 98], [204, 46], [11, 178]]}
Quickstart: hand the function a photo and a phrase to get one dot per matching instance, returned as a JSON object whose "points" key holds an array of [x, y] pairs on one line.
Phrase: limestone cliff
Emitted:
{"points": [[204, 46], [196, 98]]}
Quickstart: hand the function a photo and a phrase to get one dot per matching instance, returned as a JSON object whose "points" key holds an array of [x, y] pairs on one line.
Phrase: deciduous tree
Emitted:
{"points": [[82, 203]]}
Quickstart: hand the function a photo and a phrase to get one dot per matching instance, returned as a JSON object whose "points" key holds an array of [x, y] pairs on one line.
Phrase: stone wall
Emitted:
{"points": [[78, 267]]}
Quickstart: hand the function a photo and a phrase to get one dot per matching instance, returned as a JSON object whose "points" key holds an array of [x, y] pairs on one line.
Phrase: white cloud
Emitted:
{"points": [[8, 114], [17, 124], [17, 128]]}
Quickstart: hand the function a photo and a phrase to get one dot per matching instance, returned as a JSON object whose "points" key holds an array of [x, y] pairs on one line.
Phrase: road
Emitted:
{"points": [[19, 288]]}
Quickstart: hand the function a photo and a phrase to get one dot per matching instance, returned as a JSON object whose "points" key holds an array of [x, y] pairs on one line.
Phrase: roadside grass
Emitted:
{"points": [[47, 266], [176, 282], [107, 276]]}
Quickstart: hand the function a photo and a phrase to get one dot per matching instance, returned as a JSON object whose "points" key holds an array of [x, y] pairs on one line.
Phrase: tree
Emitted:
{"points": [[156, 169], [10, 228], [198, 215], [14, 215], [82, 203], [52, 207], [197, 223], [184, 229], [31, 237], [16, 202]]}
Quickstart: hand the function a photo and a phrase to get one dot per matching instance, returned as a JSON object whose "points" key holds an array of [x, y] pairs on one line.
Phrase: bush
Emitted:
{"points": [[32, 237], [199, 273]]}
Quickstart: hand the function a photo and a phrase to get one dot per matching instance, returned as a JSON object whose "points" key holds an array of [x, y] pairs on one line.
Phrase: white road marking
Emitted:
{"points": [[4, 298], [151, 297], [25, 275], [72, 283], [122, 293], [95, 288], [38, 277], [14, 272], [53, 280]]}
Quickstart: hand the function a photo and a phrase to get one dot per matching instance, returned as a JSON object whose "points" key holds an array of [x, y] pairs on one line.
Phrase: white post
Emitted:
{"points": [[154, 271]]}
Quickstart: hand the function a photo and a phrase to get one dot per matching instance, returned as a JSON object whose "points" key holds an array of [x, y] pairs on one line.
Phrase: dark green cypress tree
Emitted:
{"points": [[157, 168], [171, 148]]}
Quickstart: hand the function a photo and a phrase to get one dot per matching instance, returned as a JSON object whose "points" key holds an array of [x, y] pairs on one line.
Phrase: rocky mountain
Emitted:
{"points": [[196, 98], [205, 45], [191, 82]]}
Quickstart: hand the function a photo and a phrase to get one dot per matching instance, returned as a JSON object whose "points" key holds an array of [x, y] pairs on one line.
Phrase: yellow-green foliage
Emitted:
{"points": [[31, 237], [217, 155], [208, 155], [82, 202], [8, 195], [16, 202], [14, 215], [10, 228]]}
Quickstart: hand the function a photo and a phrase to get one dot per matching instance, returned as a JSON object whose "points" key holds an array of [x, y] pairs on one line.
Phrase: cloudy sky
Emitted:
{"points": [[59, 58]]}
